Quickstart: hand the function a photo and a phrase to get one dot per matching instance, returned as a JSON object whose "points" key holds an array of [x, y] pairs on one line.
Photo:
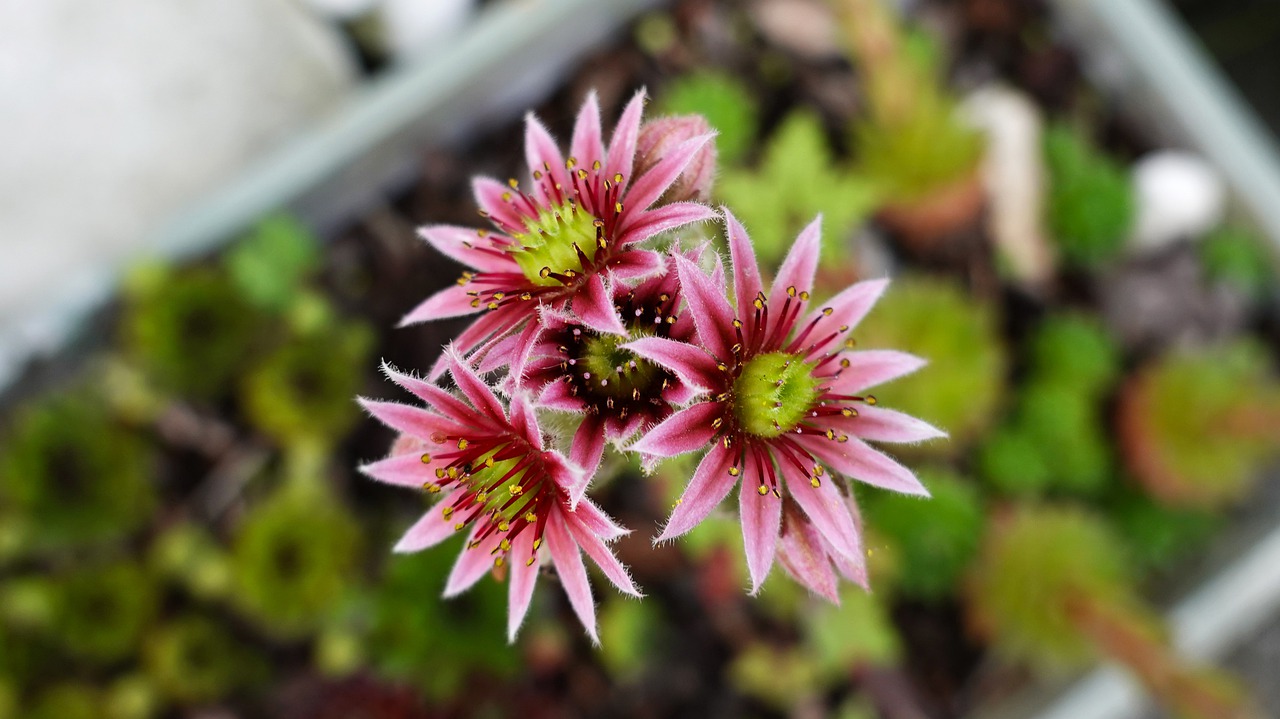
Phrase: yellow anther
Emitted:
{"points": [[871, 399], [433, 488], [505, 545], [529, 562], [462, 443], [763, 490], [814, 482], [447, 512], [791, 291], [826, 311], [537, 543], [734, 471], [503, 526], [516, 490], [458, 527], [426, 459], [544, 273], [498, 562], [530, 517]]}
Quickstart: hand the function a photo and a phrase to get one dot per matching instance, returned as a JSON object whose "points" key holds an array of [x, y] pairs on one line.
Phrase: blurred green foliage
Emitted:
{"points": [[798, 178], [271, 264], [936, 538], [100, 613], [1033, 564], [195, 659], [926, 150], [1091, 202], [1241, 258], [1196, 426], [724, 101], [73, 475], [961, 387]]}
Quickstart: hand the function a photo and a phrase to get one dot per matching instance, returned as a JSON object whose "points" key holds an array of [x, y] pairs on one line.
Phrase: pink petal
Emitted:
{"points": [[805, 559], [566, 475], [600, 554], [712, 314], [438, 399], [799, 266], [597, 522], [689, 363], [404, 470], [593, 304], [648, 188], [452, 301], [664, 218], [868, 368], [709, 486], [886, 425], [556, 395], [573, 575], [761, 518], [473, 563], [824, 506], [635, 264], [543, 157], [525, 419], [746, 271], [496, 199], [856, 459], [504, 320], [474, 388], [431, 529], [588, 144], [524, 575], [684, 431], [460, 244], [588, 444], [622, 146], [847, 310], [407, 418]]}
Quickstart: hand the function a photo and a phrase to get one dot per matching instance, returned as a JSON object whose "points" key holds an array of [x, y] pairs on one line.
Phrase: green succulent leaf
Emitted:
{"points": [[724, 101], [270, 265], [1091, 201]]}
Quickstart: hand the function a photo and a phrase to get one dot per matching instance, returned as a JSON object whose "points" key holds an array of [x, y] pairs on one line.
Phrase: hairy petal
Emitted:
{"points": [[709, 485], [690, 363], [886, 425], [761, 518], [602, 556], [856, 459], [684, 431], [847, 310], [622, 146], [430, 529], [800, 264], [473, 388], [746, 271], [649, 187], [712, 314], [573, 574], [594, 306], [588, 144], [804, 557], [473, 563], [664, 218], [452, 301], [407, 419], [868, 368], [588, 444], [459, 244], [524, 575], [826, 509]]}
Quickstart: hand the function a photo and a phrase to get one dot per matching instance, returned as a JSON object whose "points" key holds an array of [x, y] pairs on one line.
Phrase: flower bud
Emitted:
{"points": [[660, 136]]}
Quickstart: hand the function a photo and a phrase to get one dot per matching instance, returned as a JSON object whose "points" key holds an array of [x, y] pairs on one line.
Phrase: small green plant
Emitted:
{"points": [[962, 386], [936, 539], [797, 178], [67, 700], [270, 265], [412, 626], [1239, 257], [1074, 349], [1052, 587], [190, 330], [1158, 537], [1091, 202], [102, 612], [194, 660], [1195, 427], [302, 390], [726, 104], [72, 474], [294, 556]]}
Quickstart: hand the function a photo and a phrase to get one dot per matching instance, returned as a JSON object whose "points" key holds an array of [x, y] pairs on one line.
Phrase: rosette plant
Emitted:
{"points": [[655, 353]]}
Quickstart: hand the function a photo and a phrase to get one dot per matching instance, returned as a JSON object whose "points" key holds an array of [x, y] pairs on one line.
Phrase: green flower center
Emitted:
{"points": [[551, 245], [611, 371], [503, 498], [773, 393]]}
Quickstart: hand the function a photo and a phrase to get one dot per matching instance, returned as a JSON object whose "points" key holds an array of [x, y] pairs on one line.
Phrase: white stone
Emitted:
{"points": [[342, 9], [1178, 195], [116, 115], [1014, 176], [415, 29]]}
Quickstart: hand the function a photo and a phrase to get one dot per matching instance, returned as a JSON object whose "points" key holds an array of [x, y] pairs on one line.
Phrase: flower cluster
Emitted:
{"points": [[658, 353]]}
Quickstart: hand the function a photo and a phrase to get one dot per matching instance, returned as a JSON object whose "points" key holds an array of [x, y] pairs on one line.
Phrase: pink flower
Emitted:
{"points": [[555, 239], [658, 137], [783, 405], [499, 483], [575, 368]]}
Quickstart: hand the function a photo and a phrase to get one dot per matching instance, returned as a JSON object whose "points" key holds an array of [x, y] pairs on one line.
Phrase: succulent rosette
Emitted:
{"points": [[557, 239], [517, 500], [784, 402], [575, 368]]}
